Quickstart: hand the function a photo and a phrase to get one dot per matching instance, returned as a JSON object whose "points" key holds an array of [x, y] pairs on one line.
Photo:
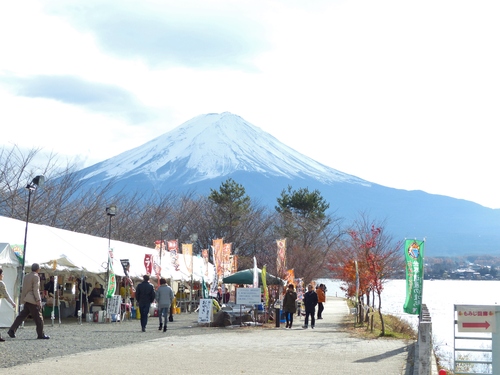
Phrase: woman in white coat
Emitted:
{"points": [[5, 294]]}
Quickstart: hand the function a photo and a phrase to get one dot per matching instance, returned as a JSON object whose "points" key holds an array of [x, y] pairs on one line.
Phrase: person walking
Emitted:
{"points": [[290, 305], [30, 297], [320, 291], [145, 295], [310, 302], [164, 298], [172, 307], [5, 294]]}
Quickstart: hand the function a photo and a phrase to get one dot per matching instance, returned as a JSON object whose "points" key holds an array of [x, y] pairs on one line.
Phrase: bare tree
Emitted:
{"points": [[67, 202]]}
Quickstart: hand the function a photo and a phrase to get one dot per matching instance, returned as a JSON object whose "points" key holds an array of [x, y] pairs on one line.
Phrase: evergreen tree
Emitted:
{"points": [[309, 230], [232, 204]]}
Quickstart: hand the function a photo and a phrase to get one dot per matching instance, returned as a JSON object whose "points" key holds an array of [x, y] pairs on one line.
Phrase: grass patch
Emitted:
{"points": [[395, 327]]}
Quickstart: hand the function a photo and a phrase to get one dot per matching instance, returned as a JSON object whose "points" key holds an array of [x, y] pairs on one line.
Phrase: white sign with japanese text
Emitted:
{"points": [[114, 304], [475, 318], [248, 296], [205, 311]]}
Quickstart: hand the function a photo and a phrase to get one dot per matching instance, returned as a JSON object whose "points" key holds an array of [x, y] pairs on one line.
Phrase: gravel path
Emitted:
{"points": [[70, 337], [187, 348]]}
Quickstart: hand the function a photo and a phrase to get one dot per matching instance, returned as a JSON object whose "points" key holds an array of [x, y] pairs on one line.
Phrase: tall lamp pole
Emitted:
{"points": [[162, 228], [193, 238], [110, 211], [37, 181]]}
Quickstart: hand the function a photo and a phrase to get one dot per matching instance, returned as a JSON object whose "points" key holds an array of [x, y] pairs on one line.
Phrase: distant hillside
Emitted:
{"points": [[207, 150]]}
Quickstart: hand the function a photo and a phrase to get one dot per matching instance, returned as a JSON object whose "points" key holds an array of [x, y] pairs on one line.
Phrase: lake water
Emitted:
{"points": [[439, 296]]}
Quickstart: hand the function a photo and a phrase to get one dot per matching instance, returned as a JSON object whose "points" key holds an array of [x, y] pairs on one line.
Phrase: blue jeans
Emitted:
{"points": [[311, 314], [163, 314], [144, 309], [289, 318]]}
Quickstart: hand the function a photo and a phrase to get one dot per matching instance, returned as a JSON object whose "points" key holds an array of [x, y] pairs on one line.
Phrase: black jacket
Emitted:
{"points": [[310, 300], [145, 293]]}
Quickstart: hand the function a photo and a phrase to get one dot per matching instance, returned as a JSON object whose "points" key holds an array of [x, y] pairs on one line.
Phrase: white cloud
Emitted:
{"points": [[400, 94]]}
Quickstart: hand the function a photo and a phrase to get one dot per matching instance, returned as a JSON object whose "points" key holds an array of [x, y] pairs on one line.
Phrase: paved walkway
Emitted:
{"points": [[249, 350]]}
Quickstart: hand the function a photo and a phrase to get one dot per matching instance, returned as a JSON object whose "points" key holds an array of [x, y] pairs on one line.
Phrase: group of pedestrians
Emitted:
{"points": [[312, 299], [32, 302], [145, 295]]}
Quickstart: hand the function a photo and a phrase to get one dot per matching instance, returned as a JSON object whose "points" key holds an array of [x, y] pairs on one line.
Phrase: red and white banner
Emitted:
{"points": [[148, 263], [173, 247]]}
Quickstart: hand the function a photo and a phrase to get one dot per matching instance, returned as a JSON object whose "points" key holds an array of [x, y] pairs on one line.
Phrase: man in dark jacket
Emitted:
{"points": [[310, 302], [145, 295]]}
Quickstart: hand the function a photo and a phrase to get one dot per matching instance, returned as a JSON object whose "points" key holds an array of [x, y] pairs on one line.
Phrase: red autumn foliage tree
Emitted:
{"points": [[378, 259]]}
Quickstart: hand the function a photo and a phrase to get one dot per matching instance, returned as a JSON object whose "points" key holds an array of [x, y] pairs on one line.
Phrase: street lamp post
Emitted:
{"points": [[32, 186], [193, 238], [110, 211], [162, 228]]}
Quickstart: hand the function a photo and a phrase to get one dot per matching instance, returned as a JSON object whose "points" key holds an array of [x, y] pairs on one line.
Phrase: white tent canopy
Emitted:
{"points": [[73, 251], [11, 267]]}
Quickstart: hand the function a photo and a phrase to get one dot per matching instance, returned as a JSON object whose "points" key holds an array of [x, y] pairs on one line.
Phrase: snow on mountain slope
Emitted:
{"points": [[214, 145]]}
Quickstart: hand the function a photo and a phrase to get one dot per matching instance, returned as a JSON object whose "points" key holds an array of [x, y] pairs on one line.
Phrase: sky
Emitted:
{"points": [[402, 94]]}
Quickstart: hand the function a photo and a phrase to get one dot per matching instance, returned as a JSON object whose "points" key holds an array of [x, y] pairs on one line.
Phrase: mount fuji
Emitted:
{"points": [[205, 151]]}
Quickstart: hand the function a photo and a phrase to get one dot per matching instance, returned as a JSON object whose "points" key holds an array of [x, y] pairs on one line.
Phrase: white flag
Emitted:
{"points": [[255, 274]]}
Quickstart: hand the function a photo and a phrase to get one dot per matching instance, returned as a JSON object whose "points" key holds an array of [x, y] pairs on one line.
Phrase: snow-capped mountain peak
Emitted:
{"points": [[200, 154], [214, 145]]}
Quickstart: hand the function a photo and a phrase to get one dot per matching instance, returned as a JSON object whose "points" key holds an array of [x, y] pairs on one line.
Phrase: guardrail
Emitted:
{"points": [[423, 349]]}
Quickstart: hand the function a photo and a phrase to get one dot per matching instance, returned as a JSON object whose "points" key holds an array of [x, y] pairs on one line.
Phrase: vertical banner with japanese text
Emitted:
{"points": [[264, 285], [126, 266], [414, 256], [173, 248], [217, 245], [290, 277], [187, 255], [112, 277], [215, 281], [148, 263], [204, 256], [234, 263], [255, 274], [160, 247], [281, 257], [226, 258]]}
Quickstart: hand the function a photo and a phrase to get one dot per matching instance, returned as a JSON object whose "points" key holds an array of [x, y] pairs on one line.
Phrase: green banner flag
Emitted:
{"points": [[204, 289], [264, 285], [414, 255], [112, 279]]}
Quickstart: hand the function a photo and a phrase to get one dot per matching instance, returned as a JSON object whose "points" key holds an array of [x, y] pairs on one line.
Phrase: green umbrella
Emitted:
{"points": [[246, 277]]}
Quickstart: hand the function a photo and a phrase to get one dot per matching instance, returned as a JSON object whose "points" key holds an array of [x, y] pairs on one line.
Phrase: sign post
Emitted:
{"points": [[481, 319], [475, 318]]}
